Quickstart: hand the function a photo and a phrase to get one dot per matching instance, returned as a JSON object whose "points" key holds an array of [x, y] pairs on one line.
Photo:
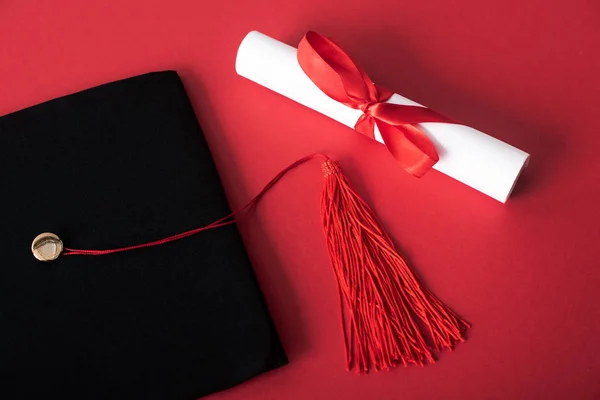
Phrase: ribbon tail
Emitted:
{"points": [[399, 114], [409, 145]]}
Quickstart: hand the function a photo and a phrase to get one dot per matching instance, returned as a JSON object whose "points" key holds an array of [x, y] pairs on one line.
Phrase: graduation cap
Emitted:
{"points": [[125, 162]]}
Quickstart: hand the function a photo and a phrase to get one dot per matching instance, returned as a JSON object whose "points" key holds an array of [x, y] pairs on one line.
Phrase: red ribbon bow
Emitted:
{"points": [[339, 77]]}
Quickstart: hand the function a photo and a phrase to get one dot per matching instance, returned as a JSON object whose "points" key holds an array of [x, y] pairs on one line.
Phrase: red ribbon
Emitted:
{"points": [[339, 77]]}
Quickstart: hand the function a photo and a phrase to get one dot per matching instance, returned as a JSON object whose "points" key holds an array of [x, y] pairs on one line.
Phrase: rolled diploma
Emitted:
{"points": [[466, 154]]}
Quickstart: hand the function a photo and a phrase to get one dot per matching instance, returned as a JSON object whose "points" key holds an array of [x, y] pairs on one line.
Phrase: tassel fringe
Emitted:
{"points": [[391, 318]]}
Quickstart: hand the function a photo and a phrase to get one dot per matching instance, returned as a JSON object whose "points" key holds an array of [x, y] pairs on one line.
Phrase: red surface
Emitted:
{"points": [[526, 274]]}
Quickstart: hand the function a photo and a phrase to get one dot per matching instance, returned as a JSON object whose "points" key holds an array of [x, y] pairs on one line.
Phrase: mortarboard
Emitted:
{"points": [[125, 162]]}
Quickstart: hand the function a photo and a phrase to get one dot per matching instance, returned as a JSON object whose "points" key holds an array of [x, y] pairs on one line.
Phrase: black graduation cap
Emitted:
{"points": [[122, 163]]}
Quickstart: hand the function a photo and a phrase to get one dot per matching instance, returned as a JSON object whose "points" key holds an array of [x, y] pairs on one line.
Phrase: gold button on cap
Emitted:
{"points": [[46, 246]]}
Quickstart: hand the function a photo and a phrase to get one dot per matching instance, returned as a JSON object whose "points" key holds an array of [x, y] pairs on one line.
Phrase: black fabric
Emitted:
{"points": [[111, 166]]}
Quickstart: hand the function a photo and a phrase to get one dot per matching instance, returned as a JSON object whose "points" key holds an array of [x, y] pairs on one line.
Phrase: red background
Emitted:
{"points": [[526, 273]]}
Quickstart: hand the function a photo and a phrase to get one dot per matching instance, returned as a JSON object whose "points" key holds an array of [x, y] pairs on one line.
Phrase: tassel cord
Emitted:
{"points": [[227, 220]]}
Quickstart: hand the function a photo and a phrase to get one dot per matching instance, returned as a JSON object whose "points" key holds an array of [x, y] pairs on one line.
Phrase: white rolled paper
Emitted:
{"points": [[466, 154]]}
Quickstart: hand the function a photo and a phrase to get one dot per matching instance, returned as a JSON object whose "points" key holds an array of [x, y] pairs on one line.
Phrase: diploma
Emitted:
{"points": [[465, 154]]}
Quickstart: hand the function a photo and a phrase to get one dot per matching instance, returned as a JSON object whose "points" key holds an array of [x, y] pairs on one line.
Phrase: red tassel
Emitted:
{"points": [[392, 317]]}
